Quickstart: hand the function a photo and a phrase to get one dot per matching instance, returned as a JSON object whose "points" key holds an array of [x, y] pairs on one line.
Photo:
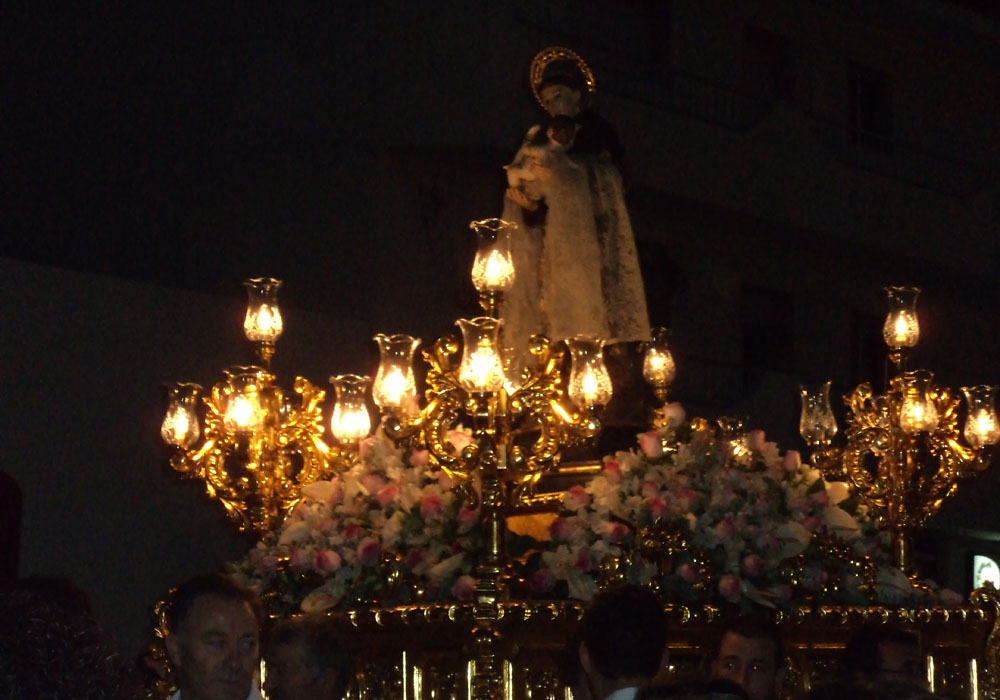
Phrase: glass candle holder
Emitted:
{"points": [[817, 424], [493, 269], [917, 412], [658, 367], [243, 411], [263, 320], [981, 428], [180, 425], [481, 368], [395, 387], [901, 329], [589, 382], [350, 421]]}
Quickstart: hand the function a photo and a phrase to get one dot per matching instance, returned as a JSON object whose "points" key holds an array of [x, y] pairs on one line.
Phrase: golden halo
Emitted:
{"points": [[551, 54]]}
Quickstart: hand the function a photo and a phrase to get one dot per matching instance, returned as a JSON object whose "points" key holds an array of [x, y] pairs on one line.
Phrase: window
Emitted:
{"points": [[869, 104]]}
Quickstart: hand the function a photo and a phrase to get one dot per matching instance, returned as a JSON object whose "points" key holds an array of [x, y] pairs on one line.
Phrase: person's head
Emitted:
{"points": [[213, 638], [306, 661], [52, 647], [884, 653], [623, 639], [751, 653]]}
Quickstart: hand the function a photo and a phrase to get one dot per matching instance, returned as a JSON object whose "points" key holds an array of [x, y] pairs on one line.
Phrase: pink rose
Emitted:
{"points": [[372, 482], [650, 489], [419, 458], [657, 507], [651, 444], [353, 531], [560, 530], [584, 562], [464, 588], [299, 560], [460, 439], [753, 564], [414, 558], [327, 526], [369, 551], [685, 497], [430, 506], [612, 471], [755, 440], [326, 562], [387, 494], [541, 581], [467, 516], [792, 461], [444, 482], [729, 587], [689, 573], [614, 532], [576, 497]]}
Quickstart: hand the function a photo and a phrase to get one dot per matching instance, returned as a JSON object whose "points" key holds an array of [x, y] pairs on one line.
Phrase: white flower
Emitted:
{"points": [[321, 491], [837, 491], [794, 539], [581, 586], [892, 586], [323, 598], [445, 569], [841, 522], [298, 531]]}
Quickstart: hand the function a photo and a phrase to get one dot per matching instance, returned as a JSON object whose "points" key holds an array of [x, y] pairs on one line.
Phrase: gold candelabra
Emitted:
{"points": [[903, 453], [259, 445]]}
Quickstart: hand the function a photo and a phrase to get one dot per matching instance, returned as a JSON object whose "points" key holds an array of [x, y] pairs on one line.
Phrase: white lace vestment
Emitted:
{"points": [[577, 272]]}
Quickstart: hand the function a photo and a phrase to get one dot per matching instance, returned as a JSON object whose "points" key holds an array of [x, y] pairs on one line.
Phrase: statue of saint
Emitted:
{"points": [[577, 271]]}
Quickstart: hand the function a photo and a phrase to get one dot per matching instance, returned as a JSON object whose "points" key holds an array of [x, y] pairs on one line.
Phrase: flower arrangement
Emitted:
{"points": [[708, 519], [702, 518], [390, 529]]}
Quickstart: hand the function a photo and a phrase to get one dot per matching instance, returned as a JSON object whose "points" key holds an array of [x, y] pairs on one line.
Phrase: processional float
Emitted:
{"points": [[259, 449]]}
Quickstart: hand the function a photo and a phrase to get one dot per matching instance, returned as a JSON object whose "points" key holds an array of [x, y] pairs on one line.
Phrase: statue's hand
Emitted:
{"points": [[521, 199]]}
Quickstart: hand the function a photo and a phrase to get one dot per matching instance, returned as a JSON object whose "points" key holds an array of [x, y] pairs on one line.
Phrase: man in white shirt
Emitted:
{"points": [[623, 642], [213, 639]]}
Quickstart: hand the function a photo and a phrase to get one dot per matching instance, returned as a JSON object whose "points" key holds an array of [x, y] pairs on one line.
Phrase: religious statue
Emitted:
{"points": [[573, 250]]}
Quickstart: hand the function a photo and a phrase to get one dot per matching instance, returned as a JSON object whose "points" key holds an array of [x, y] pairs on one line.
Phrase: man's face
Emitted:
{"points": [[751, 664], [216, 650], [900, 662], [291, 676], [561, 100]]}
